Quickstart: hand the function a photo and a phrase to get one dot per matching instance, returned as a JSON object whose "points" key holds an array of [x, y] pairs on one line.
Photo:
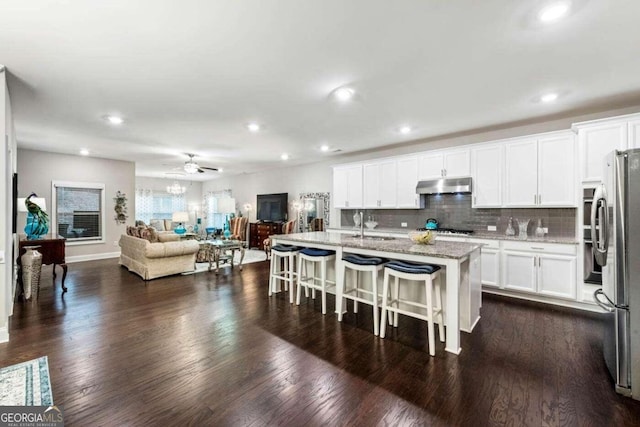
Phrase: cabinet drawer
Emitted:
{"points": [[555, 248], [488, 243]]}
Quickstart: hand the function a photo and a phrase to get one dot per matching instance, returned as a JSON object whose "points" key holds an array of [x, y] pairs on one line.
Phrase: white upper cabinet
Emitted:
{"points": [[486, 171], [439, 164], [457, 163], [379, 184], [595, 141], [347, 186], [556, 170], [540, 171], [430, 165], [407, 172], [521, 173], [634, 133]]}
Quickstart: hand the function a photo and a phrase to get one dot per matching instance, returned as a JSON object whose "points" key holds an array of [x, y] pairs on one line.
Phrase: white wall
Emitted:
{"points": [[193, 195], [36, 171], [293, 180], [7, 168]]}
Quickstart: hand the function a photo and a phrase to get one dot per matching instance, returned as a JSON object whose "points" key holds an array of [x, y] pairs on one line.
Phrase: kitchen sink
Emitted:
{"points": [[357, 236]]}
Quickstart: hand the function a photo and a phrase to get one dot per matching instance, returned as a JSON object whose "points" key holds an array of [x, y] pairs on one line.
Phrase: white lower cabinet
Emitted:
{"points": [[519, 271], [544, 268], [490, 262]]}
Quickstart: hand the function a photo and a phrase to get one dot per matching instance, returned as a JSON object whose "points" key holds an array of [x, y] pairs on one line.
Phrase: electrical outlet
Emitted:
{"points": [[403, 224], [546, 230], [491, 228]]}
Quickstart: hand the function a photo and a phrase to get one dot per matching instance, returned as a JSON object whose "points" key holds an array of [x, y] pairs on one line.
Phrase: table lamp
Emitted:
{"points": [[227, 206], [37, 218], [180, 218]]}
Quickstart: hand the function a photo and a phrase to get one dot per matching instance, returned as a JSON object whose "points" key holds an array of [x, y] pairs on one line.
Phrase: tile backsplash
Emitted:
{"points": [[454, 211]]}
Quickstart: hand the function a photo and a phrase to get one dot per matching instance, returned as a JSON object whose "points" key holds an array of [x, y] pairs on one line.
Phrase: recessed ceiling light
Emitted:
{"points": [[284, 156], [405, 130], [324, 148], [343, 94], [253, 127], [549, 97], [114, 120], [84, 152], [554, 11]]}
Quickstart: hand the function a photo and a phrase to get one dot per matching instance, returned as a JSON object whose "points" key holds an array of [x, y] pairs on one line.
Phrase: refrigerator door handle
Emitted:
{"points": [[599, 230], [605, 305]]}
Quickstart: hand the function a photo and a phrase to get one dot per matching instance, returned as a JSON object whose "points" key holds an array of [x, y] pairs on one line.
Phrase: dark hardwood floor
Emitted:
{"points": [[215, 350]]}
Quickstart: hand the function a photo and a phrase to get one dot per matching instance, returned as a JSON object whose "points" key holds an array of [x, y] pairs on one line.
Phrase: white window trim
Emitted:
{"points": [[54, 209]]}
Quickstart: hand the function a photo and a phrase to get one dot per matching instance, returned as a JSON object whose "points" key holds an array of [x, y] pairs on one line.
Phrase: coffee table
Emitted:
{"points": [[219, 252]]}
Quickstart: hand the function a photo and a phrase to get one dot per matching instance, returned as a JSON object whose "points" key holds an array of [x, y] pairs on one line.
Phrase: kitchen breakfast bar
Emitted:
{"points": [[460, 262]]}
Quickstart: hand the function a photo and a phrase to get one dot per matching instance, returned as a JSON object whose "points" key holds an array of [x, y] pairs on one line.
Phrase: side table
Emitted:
{"points": [[52, 248]]}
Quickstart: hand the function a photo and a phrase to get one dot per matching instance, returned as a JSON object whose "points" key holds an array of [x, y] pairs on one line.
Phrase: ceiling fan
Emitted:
{"points": [[191, 167]]}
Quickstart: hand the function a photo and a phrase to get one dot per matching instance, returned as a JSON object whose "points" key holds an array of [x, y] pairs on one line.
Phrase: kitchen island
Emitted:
{"points": [[460, 261]]}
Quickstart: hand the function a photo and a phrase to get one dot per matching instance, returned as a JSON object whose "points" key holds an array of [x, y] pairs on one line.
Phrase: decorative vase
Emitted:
{"points": [[31, 266], [356, 220], [523, 224], [510, 231], [539, 229]]}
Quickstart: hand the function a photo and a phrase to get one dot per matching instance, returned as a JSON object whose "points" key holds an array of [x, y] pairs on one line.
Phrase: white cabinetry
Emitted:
{"points": [[407, 179], [450, 164], [544, 268], [379, 184], [540, 171], [486, 170], [634, 134], [595, 141], [556, 170], [347, 186], [490, 261]]}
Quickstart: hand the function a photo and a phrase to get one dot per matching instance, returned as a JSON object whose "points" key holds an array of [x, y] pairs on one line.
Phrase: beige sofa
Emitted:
{"points": [[151, 260]]}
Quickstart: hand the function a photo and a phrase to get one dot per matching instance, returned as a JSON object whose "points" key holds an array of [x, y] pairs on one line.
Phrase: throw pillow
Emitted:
{"points": [[158, 224], [143, 233], [131, 230], [153, 234]]}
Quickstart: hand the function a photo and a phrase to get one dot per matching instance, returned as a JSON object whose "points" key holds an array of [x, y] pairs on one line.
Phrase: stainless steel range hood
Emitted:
{"points": [[444, 185]]}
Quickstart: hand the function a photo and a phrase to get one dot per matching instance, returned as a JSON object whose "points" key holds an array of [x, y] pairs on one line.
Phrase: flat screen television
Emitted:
{"points": [[272, 207]]}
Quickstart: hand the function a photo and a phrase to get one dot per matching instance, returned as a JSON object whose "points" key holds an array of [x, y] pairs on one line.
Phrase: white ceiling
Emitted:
{"points": [[189, 76]]}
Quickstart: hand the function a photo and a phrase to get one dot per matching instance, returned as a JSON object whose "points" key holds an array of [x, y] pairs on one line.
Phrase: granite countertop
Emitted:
{"points": [[441, 249], [489, 235]]}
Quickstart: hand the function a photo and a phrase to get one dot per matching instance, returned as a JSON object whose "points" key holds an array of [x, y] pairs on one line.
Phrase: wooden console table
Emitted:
{"points": [[52, 249]]}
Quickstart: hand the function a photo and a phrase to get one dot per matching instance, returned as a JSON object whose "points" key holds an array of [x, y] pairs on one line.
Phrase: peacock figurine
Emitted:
{"points": [[37, 219]]}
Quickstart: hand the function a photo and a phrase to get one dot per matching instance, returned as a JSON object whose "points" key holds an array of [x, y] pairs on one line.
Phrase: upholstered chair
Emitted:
{"points": [[239, 228], [288, 228]]}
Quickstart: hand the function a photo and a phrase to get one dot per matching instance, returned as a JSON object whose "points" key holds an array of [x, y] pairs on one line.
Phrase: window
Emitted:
{"points": [[213, 218], [158, 205], [78, 211]]}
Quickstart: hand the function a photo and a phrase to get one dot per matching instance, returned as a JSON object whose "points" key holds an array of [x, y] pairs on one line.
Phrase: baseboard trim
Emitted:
{"points": [[4, 334], [91, 257], [571, 304]]}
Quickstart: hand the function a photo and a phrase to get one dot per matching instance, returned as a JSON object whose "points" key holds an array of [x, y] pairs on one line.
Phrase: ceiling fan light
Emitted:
{"points": [[191, 167]]}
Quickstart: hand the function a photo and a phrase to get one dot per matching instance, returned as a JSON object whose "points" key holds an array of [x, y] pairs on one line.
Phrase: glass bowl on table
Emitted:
{"points": [[426, 237]]}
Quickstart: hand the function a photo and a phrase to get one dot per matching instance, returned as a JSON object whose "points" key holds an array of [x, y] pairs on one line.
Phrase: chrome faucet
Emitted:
{"points": [[361, 225]]}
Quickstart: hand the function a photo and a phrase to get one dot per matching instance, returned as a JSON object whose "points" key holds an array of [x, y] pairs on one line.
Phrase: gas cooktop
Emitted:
{"points": [[452, 231]]}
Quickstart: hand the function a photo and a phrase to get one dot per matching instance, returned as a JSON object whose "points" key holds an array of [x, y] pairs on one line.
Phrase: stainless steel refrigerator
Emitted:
{"points": [[615, 229]]}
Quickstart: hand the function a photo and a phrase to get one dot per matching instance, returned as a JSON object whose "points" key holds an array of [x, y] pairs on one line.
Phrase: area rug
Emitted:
{"points": [[26, 384], [250, 256]]}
